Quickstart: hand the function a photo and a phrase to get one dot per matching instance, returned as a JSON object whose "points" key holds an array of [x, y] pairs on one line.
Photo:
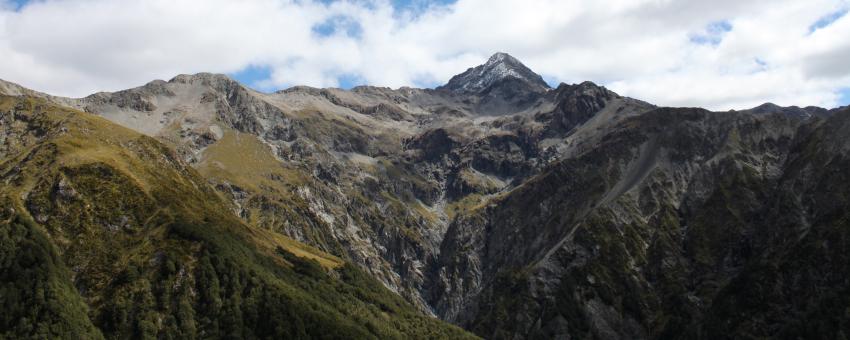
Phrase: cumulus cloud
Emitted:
{"points": [[720, 54]]}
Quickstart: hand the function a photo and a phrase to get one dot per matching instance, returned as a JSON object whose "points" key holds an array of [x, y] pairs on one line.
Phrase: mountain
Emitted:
{"points": [[677, 223], [516, 210], [501, 67], [502, 85], [795, 111], [107, 234]]}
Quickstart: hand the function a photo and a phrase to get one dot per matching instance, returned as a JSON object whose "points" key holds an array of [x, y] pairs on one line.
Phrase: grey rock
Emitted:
{"points": [[520, 211]]}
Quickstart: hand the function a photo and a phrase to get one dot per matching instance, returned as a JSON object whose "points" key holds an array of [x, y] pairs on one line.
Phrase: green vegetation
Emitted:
{"points": [[247, 162], [37, 299], [122, 240], [464, 205], [242, 162]]}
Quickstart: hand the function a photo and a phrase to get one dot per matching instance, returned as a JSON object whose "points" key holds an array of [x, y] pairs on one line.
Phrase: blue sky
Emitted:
{"points": [[417, 6], [252, 75], [18, 3], [828, 19], [713, 34], [723, 54]]}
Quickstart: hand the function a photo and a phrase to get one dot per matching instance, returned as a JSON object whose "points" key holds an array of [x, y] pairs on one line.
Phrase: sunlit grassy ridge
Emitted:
{"points": [[123, 240], [248, 162], [244, 163]]}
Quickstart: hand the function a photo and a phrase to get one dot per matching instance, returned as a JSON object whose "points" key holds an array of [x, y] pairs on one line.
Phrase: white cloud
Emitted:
{"points": [[640, 48]]}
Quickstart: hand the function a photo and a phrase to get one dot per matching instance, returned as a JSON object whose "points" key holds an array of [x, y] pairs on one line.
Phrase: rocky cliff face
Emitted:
{"points": [[521, 211]]}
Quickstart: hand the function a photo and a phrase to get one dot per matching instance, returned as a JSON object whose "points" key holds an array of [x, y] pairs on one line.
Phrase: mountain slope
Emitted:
{"points": [[522, 211], [129, 242], [673, 224]]}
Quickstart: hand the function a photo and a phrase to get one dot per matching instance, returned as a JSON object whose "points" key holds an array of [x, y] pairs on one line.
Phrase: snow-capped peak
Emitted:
{"points": [[499, 67]]}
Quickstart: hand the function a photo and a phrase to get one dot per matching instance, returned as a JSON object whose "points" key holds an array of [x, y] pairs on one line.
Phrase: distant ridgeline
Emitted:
{"points": [[199, 208]]}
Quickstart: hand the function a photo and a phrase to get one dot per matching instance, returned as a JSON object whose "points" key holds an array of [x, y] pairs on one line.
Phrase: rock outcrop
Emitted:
{"points": [[521, 211]]}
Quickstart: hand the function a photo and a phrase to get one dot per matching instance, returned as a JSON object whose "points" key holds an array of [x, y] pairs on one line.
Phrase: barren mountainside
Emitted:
{"points": [[187, 208]]}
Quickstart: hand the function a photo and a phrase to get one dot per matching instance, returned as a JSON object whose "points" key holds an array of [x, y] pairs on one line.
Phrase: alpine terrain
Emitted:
{"points": [[494, 206]]}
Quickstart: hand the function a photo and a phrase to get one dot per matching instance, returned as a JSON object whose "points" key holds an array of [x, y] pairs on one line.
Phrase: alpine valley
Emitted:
{"points": [[493, 206]]}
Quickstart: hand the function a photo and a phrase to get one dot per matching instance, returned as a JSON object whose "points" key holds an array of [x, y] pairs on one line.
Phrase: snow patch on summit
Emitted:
{"points": [[499, 66]]}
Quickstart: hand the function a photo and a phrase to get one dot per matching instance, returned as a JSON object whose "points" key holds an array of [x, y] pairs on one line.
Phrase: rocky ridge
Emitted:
{"points": [[522, 211]]}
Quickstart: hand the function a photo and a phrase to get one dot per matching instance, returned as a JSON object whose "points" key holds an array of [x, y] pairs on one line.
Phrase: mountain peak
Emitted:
{"points": [[499, 67], [791, 111], [201, 77], [501, 57]]}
